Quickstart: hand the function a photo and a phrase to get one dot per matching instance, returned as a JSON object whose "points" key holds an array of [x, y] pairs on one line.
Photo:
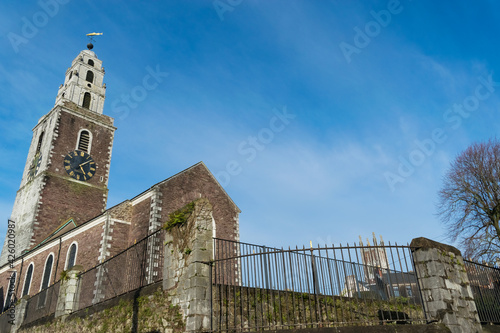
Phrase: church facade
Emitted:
{"points": [[60, 219]]}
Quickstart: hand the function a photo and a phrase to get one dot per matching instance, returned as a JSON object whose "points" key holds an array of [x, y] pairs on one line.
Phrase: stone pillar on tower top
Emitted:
{"points": [[83, 84]]}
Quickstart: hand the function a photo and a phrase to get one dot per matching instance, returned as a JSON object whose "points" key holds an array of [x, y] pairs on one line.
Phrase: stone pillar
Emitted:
{"points": [[68, 293], [188, 249], [445, 287]]}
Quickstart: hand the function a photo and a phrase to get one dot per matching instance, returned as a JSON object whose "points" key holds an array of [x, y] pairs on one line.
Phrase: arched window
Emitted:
{"points": [[84, 141], [45, 280], [91, 62], [27, 280], [70, 75], [47, 272], [71, 256], [90, 76], [39, 145], [10, 291], [86, 100]]}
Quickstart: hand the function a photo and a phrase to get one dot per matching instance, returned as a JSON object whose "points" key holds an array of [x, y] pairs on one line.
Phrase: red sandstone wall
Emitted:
{"points": [[120, 231], [62, 198], [176, 193], [140, 221], [197, 183], [88, 246], [68, 128]]}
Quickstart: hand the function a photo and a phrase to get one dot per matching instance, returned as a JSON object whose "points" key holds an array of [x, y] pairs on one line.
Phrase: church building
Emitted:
{"points": [[60, 219]]}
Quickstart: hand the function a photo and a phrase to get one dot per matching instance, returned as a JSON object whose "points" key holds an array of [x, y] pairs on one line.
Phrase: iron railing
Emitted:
{"points": [[262, 288], [133, 268], [42, 304], [485, 285]]}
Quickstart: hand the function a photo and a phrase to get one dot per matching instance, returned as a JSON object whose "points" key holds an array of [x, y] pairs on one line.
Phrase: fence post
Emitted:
{"points": [[68, 293], [319, 317], [444, 284]]}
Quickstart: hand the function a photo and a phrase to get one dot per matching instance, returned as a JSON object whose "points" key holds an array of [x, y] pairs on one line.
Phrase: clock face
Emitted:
{"points": [[34, 166], [79, 165]]}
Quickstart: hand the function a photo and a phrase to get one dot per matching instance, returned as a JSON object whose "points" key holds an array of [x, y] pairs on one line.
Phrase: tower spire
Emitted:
{"points": [[55, 186], [83, 84]]}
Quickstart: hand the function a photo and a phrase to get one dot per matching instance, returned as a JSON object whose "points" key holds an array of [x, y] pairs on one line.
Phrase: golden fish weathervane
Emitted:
{"points": [[91, 36]]}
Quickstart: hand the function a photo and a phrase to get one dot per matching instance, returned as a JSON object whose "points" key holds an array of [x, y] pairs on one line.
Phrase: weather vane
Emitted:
{"points": [[91, 35]]}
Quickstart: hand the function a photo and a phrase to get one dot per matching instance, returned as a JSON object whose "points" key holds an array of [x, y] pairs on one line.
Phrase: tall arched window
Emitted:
{"points": [[91, 62], [10, 291], [71, 256], [84, 141], [86, 100], [27, 280], [47, 272], [45, 280], [70, 75], [90, 76]]}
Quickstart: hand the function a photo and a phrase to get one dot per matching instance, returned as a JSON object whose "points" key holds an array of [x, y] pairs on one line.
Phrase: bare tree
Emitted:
{"points": [[469, 201]]}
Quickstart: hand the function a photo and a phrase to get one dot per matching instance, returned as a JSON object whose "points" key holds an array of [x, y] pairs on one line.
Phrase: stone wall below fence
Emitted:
{"points": [[491, 329], [144, 310]]}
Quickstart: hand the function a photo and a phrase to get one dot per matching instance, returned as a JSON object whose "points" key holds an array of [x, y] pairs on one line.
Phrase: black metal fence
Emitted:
{"points": [[262, 288], [485, 284], [135, 267], [42, 304]]}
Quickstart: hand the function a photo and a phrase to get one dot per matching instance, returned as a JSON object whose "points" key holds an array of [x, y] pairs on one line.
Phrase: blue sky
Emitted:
{"points": [[323, 120]]}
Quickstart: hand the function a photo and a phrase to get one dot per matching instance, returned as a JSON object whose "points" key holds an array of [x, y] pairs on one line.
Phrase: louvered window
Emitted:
{"points": [[90, 77], [39, 145], [86, 100], [84, 141]]}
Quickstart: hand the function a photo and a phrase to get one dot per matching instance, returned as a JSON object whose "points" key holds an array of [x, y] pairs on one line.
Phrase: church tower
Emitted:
{"points": [[67, 169]]}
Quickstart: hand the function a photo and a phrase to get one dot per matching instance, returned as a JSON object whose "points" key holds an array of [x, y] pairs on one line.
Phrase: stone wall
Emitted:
{"points": [[445, 286], [188, 250], [27, 198], [146, 310]]}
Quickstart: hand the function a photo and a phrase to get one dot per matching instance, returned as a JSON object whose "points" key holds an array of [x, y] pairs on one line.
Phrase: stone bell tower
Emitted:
{"points": [[67, 169]]}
